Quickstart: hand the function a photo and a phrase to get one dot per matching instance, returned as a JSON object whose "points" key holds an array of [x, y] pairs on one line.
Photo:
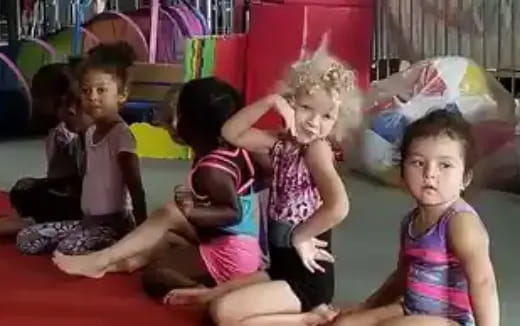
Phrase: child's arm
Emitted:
{"points": [[470, 242], [50, 147], [220, 189], [129, 164], [334, 208], [239, 130], [388, 293], [263, 170], [391, 290], [320, 161]]}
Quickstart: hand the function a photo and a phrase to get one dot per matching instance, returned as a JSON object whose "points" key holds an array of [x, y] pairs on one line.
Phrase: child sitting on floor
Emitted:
{"points": [[319, 101], [444, 274], [57, 196]]}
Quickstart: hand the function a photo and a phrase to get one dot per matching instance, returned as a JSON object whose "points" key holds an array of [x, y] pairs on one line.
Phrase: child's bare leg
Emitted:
{"points": [[10, 225], [371, 317], [174, 267], [132, 264], [267, 303], [204, 295], [142, 239], [320, 315], [419, 321]]}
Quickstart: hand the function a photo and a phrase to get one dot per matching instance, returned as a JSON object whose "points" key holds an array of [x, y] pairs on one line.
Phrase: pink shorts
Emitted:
{"points": [[229, 257]]}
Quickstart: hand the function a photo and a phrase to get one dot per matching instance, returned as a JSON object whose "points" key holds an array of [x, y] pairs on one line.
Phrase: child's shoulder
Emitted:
{"points": [[225, 159], [119, 135], [121, 127], [230, 161], [464, 217], [466, 231], [320, 149], [461, 207], [118, 130], [122, 137]]}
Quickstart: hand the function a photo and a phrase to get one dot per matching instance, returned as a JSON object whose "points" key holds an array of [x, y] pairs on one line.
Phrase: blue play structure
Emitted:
{"points": [[15, 97]]}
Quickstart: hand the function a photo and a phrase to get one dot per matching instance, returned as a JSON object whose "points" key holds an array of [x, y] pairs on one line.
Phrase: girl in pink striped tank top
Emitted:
{"points": [[220, 205], [444, 274]]}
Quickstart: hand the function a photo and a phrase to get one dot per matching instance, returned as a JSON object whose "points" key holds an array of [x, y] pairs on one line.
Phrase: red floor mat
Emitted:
{"points": [[34, 292], [5, 207]]}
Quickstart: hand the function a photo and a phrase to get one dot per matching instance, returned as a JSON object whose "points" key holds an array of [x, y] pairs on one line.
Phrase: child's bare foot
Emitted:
{"points": [[188, 296], [11, 224], [93, 265], [321, 315]]}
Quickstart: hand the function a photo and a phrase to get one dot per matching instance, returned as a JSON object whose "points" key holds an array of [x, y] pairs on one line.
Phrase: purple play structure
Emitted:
{"points": [[172, 25]]}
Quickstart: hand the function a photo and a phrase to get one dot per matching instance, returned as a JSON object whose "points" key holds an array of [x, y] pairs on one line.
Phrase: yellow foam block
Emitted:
{"points": [[155, 142]]}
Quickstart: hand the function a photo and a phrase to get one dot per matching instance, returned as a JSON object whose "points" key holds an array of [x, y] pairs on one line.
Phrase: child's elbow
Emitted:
{"points": [[485, 281], [338, 211], [342, 211], [228, 134]]}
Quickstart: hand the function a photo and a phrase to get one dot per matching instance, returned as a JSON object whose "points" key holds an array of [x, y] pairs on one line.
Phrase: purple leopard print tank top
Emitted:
{"points": [[293, 194]]}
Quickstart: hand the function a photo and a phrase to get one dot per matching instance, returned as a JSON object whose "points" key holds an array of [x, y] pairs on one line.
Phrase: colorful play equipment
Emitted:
{"points": [[173, 25], [222, 56], [62, 42], [455, 83], [157, 33], [149, 90], [32, 55], [25, 59], [15, 98]]}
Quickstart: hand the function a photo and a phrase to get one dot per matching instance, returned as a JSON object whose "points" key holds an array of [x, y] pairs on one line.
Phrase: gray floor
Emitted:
{"points": [[365, 244]]}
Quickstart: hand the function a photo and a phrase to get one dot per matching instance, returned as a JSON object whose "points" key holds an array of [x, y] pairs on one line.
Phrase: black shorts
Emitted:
{"points": [[311, 289], [47, 200]]}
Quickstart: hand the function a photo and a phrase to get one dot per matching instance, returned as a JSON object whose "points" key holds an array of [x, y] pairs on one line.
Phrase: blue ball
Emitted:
{"points": [[390, 126]]}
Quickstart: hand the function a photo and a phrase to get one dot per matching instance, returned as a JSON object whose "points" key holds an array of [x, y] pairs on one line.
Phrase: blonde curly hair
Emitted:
{"points": [[322, 70]]}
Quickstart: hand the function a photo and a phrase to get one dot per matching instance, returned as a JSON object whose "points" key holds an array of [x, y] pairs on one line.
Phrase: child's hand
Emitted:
{"points": [[320, 315], [286, 111], [183, 199], [188, 296], [310, 251]]}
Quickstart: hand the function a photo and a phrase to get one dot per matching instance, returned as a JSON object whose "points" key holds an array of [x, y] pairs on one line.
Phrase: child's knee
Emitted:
{"points": [[223, 312], [158, 280], [23, 184], [173, 213], [29, 243], [67, 248], [166, 215], [73, 245]]}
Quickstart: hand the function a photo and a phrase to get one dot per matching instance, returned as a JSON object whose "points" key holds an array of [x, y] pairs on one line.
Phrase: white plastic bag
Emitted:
{"points": [[453, 83]]}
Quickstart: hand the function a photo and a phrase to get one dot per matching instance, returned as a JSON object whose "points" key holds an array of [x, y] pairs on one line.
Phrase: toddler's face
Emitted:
{"points": [[75, 119], [315, 115], [100, 95], [434, 170]]}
